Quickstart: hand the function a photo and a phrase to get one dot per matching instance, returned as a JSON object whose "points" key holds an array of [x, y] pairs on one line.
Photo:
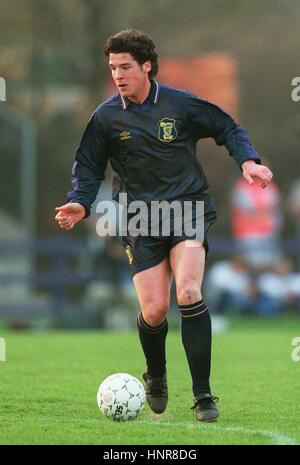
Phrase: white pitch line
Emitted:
{"points": [[277, 438]]}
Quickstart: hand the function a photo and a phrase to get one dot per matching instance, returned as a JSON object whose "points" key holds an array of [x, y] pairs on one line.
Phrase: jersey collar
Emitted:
{"points": [[152, 97]]}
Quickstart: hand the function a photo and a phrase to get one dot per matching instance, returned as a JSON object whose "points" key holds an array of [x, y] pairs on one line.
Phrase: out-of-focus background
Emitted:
{"points": [[240, 55]]}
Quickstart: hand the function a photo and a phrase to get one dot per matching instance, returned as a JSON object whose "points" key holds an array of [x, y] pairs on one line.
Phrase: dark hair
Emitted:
{"points": [[138, 44]]}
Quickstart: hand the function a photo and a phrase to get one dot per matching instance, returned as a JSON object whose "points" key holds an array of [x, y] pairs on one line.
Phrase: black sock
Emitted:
{"points": [[153, 341], [196, 338]]}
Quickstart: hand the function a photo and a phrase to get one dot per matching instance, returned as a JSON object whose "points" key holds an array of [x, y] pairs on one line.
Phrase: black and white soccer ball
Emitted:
{"points": [[121, 397]]}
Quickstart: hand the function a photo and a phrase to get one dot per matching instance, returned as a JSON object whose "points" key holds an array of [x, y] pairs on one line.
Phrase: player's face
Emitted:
{"points": [[130, 77]]}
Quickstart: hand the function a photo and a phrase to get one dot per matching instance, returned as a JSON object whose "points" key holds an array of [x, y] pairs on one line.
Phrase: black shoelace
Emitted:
{"points": [[205, 402]]}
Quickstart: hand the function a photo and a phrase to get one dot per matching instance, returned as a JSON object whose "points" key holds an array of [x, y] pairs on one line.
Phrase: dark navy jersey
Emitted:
{"points": [[152, 146]]}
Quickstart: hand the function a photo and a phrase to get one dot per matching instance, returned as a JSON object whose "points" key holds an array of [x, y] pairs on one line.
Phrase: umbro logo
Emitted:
{"points": [[125, 135]]}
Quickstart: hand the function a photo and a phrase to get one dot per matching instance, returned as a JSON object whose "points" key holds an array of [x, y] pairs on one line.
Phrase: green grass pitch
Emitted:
{"points": [[49, 381]]}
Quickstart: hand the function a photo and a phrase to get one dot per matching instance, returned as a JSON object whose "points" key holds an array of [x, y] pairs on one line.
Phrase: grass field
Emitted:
{"points": [[49, 382]]}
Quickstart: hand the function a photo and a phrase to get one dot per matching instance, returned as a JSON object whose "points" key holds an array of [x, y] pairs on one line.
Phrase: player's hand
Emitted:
{"points": [[70, 214], [251, 171]]}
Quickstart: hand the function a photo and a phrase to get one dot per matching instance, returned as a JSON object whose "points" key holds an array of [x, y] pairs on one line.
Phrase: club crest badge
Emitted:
{"points": [[167, 129], [125, 135]]}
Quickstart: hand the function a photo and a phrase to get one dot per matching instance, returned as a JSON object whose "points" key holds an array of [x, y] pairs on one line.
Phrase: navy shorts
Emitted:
{"points": [[144, 252]]}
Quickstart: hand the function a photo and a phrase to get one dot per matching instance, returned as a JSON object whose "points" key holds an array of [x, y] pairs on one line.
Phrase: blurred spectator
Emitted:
{"points": [[256, 222], [281, 286], [232, 286], [227, 285], [293, 205]]}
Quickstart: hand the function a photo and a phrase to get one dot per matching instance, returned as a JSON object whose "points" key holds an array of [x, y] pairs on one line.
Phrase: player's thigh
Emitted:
{"points": [[187, 261], [153, 290]]}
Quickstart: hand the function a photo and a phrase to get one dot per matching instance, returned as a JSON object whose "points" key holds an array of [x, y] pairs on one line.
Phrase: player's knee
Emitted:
{"points": [[188, 294], [155, 313]]}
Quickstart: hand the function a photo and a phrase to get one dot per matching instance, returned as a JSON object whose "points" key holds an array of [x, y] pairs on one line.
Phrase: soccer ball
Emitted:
{"points": [[121, 397]]}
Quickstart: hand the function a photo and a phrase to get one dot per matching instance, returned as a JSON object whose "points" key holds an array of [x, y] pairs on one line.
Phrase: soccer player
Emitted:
{"points": [[149, 132]]}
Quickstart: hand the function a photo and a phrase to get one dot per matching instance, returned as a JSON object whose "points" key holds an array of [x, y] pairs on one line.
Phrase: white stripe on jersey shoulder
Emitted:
{"points": [[123, 103], [156, 93]]}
